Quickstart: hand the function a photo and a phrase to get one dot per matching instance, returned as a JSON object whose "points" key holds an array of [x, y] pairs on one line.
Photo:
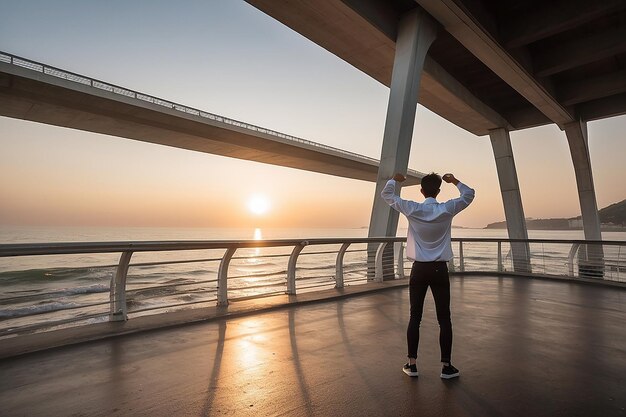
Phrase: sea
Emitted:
{"points": [[42, 292]]}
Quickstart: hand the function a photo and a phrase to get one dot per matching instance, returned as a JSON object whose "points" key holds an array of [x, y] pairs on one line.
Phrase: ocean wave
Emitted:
{"points": [[90, 289], [54, 274], [256, 264], [35, 309], [30, 296]]}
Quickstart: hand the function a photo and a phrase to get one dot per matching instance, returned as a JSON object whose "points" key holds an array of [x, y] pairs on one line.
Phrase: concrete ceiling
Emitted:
{"points": [[513, 64]]}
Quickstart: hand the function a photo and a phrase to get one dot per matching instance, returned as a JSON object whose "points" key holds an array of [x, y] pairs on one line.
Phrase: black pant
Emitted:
{"points": [[435, 275]]}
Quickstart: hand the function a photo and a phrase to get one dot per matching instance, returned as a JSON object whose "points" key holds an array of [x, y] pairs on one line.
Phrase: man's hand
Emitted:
{"points": [[449, 178], [399, 177]]}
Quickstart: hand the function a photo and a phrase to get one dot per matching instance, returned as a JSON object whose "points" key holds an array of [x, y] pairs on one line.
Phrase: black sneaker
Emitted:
{"points": [[410, 370], [449, 371]]}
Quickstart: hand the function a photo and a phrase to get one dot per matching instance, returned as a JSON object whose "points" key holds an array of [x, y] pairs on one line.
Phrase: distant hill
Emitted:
{"points": [[613, 215]]}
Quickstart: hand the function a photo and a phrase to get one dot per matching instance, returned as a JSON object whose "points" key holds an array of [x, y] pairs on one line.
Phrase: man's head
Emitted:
{"points": [[431, 185]]}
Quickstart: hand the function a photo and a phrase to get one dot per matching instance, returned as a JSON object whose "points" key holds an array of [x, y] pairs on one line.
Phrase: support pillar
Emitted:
{"points": [[590, 259], [511, 198], [576, 133], [416, 32]]}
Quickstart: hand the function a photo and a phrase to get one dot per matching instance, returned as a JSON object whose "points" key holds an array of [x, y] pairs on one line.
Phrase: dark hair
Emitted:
{"points": [[431, 184]]}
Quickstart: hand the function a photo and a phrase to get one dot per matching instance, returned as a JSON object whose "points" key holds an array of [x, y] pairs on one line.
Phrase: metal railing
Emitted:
{"points": [[570, 259], [213, 282], [219, 272], [101, 85]]}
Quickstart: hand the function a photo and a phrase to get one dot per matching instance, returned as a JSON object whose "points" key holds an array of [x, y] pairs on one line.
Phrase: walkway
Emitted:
{"points": [[524, 347]]}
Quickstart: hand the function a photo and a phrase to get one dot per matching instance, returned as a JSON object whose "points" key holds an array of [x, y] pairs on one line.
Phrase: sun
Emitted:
{"points": [[258, 204]]}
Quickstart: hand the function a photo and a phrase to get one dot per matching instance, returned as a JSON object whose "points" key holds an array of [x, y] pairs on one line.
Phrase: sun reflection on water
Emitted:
{"points": [[258, 235]]}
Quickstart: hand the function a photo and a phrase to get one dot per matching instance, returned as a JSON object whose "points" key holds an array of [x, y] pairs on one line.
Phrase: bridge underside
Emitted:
{"points": [[524, 347], [28, 95], [494, 64]]}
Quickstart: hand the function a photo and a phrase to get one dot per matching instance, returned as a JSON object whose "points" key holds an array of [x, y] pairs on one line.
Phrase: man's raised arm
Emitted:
{"points": [[389, 195], [467, 195]]}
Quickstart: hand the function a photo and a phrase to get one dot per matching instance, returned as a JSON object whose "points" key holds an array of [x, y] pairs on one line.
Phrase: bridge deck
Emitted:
{"points": [[524, 347]]}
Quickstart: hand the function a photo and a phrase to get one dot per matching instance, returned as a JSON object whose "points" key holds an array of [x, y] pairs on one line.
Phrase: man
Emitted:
{"points": [[428, 245]]}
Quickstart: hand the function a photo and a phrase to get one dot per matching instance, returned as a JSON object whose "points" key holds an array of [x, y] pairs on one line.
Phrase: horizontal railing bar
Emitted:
{"points": [[67, 248], [262, 295], [187, 261], [315, 277], [358, 271], [352, 266], [318, 253], [559, 241], [205, 291], [358, 274], [281, 255], [29, 249], [171, 285], [251, 287], [259, 275], [316, 285], [171, 305], [355, 279]]}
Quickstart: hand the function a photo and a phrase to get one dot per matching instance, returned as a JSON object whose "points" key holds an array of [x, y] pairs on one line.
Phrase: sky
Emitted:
{"points": [[228, 58]]}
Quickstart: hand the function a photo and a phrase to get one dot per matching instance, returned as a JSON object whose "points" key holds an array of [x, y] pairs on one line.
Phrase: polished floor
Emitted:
{"points": [[524, 347]]}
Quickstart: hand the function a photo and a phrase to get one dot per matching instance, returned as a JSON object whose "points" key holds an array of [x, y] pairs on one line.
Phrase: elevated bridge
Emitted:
{"points": [[40, 93]]}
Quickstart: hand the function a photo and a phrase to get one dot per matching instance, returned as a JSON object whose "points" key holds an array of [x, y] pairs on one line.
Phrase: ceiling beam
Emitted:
{"points": [[438, 75], [526, 117], [466, 29], [555, 18], [590, 89], [561, 57], [602, 108]]}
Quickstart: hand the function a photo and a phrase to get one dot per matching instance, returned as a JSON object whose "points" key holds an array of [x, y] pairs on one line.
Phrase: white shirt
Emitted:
{"points": [[430, 222]]}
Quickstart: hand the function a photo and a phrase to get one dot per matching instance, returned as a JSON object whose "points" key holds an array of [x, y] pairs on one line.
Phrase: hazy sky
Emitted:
{"points": [[228, 58]]}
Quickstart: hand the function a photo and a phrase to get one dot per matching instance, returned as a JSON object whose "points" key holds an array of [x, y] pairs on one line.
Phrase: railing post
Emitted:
{"points": [[461, 259], [570, 258], [591, 261], [117, 297], [222, 277], [500, 266], [451, 267], [378, 274], [291, 268], [400, 266], [339, 265]]}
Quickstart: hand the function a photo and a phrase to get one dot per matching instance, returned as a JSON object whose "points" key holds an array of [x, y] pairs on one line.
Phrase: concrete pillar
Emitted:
{"points": [[511, 198], [416, 32], [576, 133]]}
